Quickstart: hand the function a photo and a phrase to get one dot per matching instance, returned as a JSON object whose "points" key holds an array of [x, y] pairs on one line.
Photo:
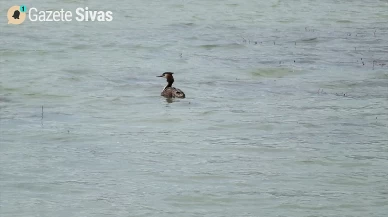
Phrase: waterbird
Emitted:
{"points": [[168, 90]]}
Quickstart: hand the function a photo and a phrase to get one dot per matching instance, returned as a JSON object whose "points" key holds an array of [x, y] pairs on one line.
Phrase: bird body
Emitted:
{"points": [[172, 92]]}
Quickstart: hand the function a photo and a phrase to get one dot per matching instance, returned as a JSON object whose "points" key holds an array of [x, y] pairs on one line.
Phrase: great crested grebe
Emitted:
{"points": [[169, 91]]}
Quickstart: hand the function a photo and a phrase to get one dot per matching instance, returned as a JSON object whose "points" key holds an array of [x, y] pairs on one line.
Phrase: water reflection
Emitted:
{"points": [[169, 100]]}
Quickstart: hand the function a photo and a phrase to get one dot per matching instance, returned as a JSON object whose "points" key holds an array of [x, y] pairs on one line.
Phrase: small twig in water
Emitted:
{"points": [[42, 112]]}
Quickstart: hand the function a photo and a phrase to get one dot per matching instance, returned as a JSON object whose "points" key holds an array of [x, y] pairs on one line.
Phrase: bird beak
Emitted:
{"points": [[159, 76]]}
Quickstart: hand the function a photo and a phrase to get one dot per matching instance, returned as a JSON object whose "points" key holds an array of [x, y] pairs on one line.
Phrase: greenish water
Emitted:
{"points": [[285, 115]]}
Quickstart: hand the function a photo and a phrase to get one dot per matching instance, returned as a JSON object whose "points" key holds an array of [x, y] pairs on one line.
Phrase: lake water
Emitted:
{"points": [[286, 111]]}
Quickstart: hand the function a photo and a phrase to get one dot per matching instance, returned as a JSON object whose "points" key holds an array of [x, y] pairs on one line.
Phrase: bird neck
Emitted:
{"points": [[170, 80]]}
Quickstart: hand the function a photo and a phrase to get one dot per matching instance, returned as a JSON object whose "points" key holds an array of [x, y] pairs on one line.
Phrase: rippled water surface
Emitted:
{"points": [[286, 111]]}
